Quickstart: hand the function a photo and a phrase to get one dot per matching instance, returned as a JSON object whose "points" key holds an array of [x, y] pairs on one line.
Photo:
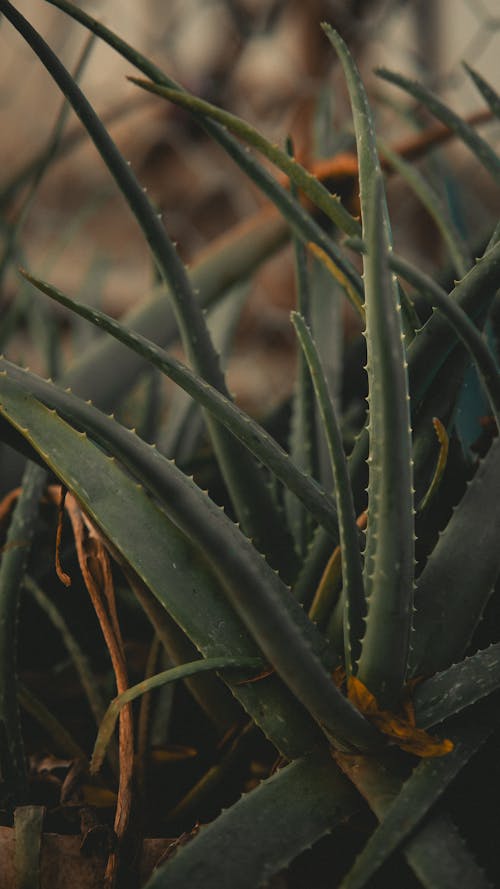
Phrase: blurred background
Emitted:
{"points": [[269, 62]]}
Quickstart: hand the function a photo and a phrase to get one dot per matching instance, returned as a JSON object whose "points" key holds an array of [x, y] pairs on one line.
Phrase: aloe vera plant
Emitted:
{"points": [[342, 626]]}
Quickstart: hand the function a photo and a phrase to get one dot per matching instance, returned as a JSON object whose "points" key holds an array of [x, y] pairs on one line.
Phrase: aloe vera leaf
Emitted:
{"points": [[433, 344], [327, 312], [480, 148], [240, 424], [457, 249], [313, 794], [298, 219], [441, 859], [28, 826], [490, 95], [464, 328], [435, 340], [389, 553], [352, 572], [443, 627], [12, 568], [166, 562], [285, 635], [182, 671], [462, 684], [302, 179], [302, 438], [245, 482], [415, 799]]}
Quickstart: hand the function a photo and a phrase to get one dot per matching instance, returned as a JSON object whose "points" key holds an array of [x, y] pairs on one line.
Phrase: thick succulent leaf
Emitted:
{"points": [[327, 312], [239, 424], [484, 153], [460, 573], [302, 179], [352, 572], [389, 554], [433, 344], [464, 328], [164, 559], [415, 799], [285, 635], [12, 568], [441, 859], [462, 684], [264, 831], [302, 442], [245, 482]]}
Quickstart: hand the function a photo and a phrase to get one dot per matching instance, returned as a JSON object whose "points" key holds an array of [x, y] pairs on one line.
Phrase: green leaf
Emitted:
{"points": [[417, 796], [299, 220], [239, 424], [460, 686], [441, 859], [273, 617], [389, 553], [264, 831], [484, 153], [352, 572], [302, 179], [163, 558], [451, 576], [464, 328]]}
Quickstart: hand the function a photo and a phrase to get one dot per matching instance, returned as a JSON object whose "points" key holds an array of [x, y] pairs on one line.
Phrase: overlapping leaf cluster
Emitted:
{"points": [[398, 621]]}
